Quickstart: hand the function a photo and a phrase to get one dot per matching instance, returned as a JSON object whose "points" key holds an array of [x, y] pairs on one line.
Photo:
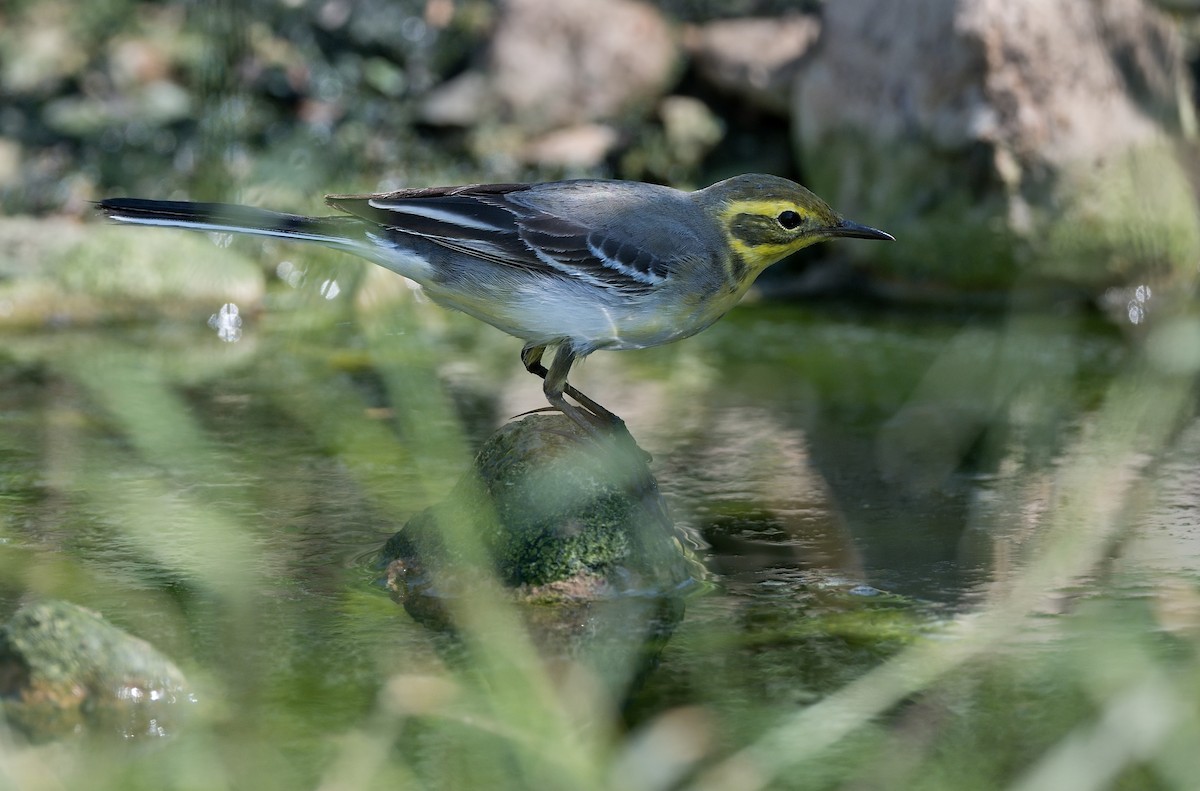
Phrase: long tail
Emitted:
{"points": [[342, 232]]}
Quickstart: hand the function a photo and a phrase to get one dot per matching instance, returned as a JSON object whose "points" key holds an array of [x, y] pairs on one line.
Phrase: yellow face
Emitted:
{"points": [[766, 218], [762, 231]]}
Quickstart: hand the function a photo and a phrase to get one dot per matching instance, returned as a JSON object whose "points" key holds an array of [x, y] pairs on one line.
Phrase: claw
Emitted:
{"points": [[534, 411]]}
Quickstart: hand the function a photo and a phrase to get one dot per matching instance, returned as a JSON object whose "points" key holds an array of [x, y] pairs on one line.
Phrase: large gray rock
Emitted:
{"points": [[996, 137]]}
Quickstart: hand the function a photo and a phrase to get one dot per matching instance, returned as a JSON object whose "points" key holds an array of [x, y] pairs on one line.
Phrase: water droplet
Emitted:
{"points": [[227, 322]]}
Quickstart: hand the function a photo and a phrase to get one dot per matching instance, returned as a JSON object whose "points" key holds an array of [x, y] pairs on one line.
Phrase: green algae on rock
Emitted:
{"points": [[64, 670], [557, 520]]}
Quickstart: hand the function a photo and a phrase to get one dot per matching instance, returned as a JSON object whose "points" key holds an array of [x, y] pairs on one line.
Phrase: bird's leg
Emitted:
{"points": [[596, 420], [555, 386], [531, 356]]}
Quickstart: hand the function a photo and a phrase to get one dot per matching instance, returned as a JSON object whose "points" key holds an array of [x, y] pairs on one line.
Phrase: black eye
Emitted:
{"points": [[788, 219]]}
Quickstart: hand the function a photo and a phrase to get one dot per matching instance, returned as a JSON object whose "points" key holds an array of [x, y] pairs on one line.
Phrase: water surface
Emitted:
{"points": [[854, 479]]}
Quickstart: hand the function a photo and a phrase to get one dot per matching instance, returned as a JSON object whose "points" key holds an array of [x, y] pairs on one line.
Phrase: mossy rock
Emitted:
{"points": [[574, 530], [65, 670], [559, 513]]}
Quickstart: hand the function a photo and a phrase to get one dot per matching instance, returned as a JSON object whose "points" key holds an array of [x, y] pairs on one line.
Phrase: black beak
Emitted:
{"points": [[855, 231]]}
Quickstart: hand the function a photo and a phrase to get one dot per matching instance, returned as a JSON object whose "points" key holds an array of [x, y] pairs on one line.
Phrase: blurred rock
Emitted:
{"points": [[753, 59], [49, 54], [64, 669], [554, 63], [691, 128], [579, 146], [674, 151], [976, 129], [457, 102], [134, 61]]}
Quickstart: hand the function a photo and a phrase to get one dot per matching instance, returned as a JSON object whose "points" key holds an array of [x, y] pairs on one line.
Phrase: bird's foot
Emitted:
{"points": [[601, 425]]}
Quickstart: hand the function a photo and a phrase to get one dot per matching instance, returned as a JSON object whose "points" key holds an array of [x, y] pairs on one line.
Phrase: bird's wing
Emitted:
{"points": [[492, 223]]}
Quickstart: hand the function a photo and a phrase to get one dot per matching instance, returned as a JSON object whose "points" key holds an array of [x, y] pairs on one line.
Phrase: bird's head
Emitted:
{"points": [[766, 218]]}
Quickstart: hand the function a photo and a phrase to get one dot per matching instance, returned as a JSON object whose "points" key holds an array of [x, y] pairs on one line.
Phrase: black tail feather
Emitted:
{"points": [[233, 218]]}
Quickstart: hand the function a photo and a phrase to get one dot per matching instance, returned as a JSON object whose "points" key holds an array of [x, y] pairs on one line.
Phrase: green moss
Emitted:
{"points": [[1130, 220]]}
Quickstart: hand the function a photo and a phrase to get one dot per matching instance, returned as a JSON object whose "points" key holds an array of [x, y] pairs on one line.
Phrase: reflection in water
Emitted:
{"points": [[749, 488], [1136, 308], [227, 322], [289, 273], [330, 289]]}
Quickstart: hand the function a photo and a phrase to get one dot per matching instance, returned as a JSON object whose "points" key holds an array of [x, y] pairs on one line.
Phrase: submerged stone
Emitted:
{"points": [[64, 670]]}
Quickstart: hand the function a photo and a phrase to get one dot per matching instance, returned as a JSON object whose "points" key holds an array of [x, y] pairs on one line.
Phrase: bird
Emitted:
{"points": [[579, 266]]}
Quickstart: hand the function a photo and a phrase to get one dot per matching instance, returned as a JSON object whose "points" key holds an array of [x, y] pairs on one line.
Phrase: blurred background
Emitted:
{"points": [[944, 489]]}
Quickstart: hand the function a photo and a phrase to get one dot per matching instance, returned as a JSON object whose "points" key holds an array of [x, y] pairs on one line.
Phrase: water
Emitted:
{"points": [[789, 439], [857, 479]]}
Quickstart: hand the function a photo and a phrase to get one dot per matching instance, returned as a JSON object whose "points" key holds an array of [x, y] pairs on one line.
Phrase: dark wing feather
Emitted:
{"points": [[592, 255], [483, 222]]}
